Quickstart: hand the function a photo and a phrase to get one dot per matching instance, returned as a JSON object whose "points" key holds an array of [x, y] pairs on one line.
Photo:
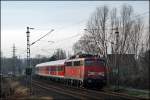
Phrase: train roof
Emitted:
{"points": [[76, 59], [52, 63]]}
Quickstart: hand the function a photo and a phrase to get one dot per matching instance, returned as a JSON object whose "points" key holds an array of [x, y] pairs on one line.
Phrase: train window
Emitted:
{"points": [[68, 63], [59, 68], [88, 62], [76, 63]]}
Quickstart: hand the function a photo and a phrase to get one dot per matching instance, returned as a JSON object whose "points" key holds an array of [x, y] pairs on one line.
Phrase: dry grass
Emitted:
{"points": [[21, 93]]}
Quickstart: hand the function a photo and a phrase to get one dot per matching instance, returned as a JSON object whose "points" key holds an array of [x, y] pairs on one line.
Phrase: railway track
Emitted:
{"points": [[82, 93], [68, 92]]}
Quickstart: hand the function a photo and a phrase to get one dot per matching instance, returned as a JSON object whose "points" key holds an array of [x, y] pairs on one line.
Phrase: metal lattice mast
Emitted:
{"points": [[28, 59], [28, 47], [29, 72]]}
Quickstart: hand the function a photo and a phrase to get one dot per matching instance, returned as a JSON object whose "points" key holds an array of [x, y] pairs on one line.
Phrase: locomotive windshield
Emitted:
{"points": [[93, 62]]}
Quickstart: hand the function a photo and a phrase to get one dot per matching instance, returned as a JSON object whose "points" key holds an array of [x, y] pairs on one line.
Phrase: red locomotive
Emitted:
{"points": [[81, 71]]}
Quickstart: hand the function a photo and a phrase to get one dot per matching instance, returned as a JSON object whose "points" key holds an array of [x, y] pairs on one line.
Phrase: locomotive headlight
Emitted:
{"points": [[101, 73], [91, 73]]}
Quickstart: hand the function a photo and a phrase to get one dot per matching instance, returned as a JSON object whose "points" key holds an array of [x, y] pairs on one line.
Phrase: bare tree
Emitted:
{"points": [[59, 54], [136, 36], [128, 40], [114, 23], [86, 45], [125, 26], [95, 37], [147, 42], [77, 47]]}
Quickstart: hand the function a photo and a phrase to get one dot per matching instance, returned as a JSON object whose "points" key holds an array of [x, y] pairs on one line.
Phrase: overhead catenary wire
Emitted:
{"points": [[84, 20], [64, 39], [59, 30], [101, 29], [61, 40], [42, 37]]}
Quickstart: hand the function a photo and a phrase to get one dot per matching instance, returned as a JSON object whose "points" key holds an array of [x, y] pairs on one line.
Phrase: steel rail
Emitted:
{"points": [[109, 93], [83, 95]]}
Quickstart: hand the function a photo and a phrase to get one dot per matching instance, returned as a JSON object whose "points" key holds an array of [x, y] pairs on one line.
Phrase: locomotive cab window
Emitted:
{"points": [[97, 62], [76, 63], [68, 63]]}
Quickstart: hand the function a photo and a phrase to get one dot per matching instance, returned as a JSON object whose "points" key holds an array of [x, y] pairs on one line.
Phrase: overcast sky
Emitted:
{"points": [[67, 18]]}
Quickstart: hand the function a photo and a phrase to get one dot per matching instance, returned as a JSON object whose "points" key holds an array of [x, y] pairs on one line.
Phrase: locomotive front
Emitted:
{"points": [[94, 72]]}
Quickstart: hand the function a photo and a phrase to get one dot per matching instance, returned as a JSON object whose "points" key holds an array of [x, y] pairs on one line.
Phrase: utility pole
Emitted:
{"points": [[29, 76], [14, 60]]}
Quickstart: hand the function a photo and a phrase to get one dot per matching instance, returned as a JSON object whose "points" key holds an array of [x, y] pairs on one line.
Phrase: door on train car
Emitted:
{"points": [[77, 69]]}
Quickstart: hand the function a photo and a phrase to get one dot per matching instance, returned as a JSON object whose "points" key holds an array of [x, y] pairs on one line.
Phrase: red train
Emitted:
{"points": [[79, 71]]}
